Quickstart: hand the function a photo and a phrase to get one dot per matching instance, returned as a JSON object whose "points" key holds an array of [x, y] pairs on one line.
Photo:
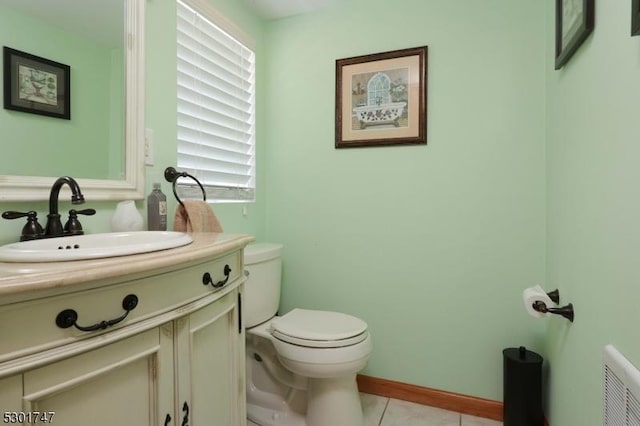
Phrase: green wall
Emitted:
{"points": [[593, 238], [528, 178], [431, 245]]}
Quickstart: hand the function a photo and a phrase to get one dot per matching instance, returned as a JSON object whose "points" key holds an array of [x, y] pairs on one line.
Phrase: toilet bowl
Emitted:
{"points": [[301, 366]]}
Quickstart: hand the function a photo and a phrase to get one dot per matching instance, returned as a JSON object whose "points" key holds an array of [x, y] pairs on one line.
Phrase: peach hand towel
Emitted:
{"points": [[195, 216]]}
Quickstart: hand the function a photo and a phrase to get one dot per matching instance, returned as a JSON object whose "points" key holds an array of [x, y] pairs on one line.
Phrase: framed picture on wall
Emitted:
{"points": [[36, 85], [381, 99], [574, 23], [635, 17]]}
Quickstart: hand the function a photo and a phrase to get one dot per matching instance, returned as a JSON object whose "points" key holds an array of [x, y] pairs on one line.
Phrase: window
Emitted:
{"points": [[379, 90], [216, 107]]}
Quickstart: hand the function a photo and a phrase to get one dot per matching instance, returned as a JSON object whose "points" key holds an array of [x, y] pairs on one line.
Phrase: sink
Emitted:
{"points": [[92, 246]]}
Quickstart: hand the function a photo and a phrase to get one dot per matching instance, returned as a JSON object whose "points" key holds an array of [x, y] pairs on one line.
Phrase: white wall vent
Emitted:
{"points": [[621, 390]]}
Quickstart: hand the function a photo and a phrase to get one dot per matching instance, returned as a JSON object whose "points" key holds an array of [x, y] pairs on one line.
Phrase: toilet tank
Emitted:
{"points": [[263, 264]]}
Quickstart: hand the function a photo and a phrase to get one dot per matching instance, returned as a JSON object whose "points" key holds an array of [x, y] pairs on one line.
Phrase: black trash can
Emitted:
{"points": [[522, 390]]}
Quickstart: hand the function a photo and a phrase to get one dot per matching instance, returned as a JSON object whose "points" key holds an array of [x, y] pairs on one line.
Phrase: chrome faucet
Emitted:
{"points": [[54, 227]]}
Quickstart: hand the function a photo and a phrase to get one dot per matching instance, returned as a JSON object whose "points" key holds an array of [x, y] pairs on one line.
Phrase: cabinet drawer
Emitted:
{"points": [[30, 327]]}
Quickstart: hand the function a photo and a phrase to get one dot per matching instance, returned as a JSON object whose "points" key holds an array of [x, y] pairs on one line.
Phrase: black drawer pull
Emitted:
{"points": [[207, 279], [68, 317], [185, 410]]}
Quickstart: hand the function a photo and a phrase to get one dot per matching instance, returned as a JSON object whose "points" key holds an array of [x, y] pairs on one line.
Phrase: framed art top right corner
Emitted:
{"points": [[635, 17], [574, 23]]}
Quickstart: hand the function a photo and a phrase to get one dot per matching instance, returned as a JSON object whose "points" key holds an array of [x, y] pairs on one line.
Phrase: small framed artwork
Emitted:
{"points": [[635, 17], [36, 85], [381, 99], [574, 23]]}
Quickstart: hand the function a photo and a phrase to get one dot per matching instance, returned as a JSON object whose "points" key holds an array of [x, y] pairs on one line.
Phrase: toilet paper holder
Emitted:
{"points": [[565, 311]]}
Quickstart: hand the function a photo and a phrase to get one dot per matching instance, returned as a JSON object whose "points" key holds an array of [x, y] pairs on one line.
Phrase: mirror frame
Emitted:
{"points": [[32, 188]]}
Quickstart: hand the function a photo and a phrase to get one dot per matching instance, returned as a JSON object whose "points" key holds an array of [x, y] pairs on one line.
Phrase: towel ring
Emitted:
{"points": [[172, 175]]}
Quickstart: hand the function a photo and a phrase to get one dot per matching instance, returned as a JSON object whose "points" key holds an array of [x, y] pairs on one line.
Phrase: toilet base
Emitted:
{"points": [[334, 402], [269, 417]]}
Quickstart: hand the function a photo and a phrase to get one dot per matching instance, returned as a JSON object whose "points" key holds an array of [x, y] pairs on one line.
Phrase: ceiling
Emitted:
{"points": [[276, 9], [80, 17]]}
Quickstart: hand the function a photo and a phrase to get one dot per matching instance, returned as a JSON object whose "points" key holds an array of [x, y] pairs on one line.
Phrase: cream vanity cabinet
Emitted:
{"points": [[176, 358]]}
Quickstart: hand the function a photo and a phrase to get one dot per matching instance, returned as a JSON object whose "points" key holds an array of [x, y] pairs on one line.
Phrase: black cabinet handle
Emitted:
{"points": [[69, 317], [239, 313], [167, 420], [207, 279], [185, 410]]}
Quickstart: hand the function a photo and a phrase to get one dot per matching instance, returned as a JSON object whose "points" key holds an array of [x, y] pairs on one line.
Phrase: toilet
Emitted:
{"points": [[301, 366]]}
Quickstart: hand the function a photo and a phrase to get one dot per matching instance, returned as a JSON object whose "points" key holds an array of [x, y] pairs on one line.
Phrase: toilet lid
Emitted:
{"points": [[319, 329]]}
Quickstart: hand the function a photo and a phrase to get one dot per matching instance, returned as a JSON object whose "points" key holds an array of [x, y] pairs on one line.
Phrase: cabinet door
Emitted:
{"points": [[10, 397], [129, 382], [209, 351]]}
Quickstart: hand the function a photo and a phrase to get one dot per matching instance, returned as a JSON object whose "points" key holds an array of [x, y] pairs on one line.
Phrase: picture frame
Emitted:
{"points": [[574, 23], [381, 99], [635, 17], [36, 85]]}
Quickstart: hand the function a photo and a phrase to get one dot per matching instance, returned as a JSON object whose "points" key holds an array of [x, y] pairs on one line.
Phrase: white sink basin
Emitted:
{"points": [[92, 246]]}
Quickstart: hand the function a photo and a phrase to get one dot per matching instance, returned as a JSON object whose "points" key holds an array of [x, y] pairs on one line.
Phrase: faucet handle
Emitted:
{"points": [[86, 212], [15, 215], [73, 226], [32, 230]]}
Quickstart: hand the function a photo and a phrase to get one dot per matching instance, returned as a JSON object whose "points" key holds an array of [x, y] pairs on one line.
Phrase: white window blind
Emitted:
{"points": [[216, 110]]}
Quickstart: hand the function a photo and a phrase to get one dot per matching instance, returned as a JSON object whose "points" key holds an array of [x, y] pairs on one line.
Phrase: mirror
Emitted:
{"points": [[119, 98]]}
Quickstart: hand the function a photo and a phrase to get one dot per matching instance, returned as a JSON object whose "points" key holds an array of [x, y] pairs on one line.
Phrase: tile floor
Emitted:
{"points": [[381, 411]]}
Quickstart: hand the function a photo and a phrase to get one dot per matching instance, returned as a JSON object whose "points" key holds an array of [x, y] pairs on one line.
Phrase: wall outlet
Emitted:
{"points": [[148, 147]]}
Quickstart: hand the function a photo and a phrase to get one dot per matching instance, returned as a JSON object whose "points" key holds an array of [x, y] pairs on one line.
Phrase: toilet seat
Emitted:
{"points": [[319, 329]]}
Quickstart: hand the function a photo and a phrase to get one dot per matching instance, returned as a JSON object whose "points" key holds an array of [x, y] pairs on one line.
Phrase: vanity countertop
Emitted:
{"points": [[19, 281]]}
